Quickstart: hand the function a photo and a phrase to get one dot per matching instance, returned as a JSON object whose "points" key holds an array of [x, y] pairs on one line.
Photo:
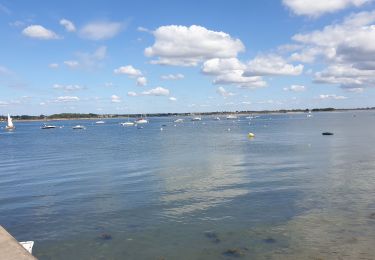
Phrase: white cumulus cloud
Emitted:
{"points": [[317, 8], [158, 91], [100, 30], [271, 65], [39, 32], [65, 99], [68, 25], [187, 46], [132, 94], [141, 81], [295, 88], [128, 70], [115, 99]]}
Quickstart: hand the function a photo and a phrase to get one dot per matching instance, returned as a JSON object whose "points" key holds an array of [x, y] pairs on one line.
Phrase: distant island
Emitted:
{"points": [[67, 116]]}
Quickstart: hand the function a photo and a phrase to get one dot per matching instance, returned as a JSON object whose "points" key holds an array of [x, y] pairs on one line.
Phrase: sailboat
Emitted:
{"points": [[128, 123], [10, 125], [141, 120]]}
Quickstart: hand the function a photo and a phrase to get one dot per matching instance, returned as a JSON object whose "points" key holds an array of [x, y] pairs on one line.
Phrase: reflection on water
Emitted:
{"points": [[194, 190]]}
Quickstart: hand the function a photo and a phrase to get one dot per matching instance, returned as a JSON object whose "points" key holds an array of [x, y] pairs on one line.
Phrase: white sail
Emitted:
{"points": [[10, 123]]}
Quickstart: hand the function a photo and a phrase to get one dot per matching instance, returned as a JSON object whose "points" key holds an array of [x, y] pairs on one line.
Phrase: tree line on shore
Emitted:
{"points": [[97, 116]]}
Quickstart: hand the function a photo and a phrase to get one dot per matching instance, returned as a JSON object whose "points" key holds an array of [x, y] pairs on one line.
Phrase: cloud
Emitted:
{"points": [[231, 72], [88, 60], [187, 46], [39, 32], [69, 26], [65, 99], [172, 76], [295, 88], [5, 71], [271, 65], [115, 99], [100, 30], [67, 88], [222, 92], [17, 24], [237, 78], [346, 76], [5, 9], [142, 29], [173, 99], [3, 103], [218, 66], [346, 49], [128, 70], [331, 96], [53, 65], [141, 81], [158, 91], [132, 94], [71, 63], [319, 7]]}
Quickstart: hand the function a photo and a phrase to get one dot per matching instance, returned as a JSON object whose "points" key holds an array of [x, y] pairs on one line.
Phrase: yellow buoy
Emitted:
{"points": [[250, 135]]}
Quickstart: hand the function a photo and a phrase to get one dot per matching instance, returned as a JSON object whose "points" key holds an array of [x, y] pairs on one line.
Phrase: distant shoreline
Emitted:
{"points": [[90, 116]]}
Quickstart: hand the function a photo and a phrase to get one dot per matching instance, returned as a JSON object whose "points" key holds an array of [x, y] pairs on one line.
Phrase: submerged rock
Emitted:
{"points": [[213, 236], [269, 240], [105, 236], [235, 252]]}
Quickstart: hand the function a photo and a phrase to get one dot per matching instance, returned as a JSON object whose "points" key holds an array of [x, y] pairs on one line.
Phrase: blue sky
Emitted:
{"points": [[185, 56]]}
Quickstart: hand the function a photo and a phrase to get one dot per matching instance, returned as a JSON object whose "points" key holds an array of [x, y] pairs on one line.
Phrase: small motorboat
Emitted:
{"points": [[327, 133], [48, 126], [217, 118], [77, 127], [197, 118], [127, 123], [28, 245], [232, 117], [100, 122], [180, 120]]}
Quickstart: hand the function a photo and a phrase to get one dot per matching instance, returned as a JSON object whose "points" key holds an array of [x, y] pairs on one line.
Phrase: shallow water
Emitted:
{"points": [[195, 189]]}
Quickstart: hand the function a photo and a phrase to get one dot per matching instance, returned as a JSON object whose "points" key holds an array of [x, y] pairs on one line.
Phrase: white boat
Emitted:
{"points": [[79, 127], [28, 245], [141, 121], [100, 122], [180, 120], [10, 125], [217, 118], [197, 118], [48, 126], [127, 123], [232, 117]]}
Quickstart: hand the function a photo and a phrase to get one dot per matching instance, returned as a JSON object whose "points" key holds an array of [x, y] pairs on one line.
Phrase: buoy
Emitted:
{"points": [[161, 128], [250, 135]]}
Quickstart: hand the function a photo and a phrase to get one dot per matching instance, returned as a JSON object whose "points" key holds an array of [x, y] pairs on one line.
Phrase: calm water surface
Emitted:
{"points": [[194, 190]]}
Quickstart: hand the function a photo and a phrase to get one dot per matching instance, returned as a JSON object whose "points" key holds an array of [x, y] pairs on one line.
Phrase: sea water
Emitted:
{"points": [[196, 190]]}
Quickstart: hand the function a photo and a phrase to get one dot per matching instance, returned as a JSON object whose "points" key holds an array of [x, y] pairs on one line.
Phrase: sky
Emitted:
{"points": [[120, 57]]}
